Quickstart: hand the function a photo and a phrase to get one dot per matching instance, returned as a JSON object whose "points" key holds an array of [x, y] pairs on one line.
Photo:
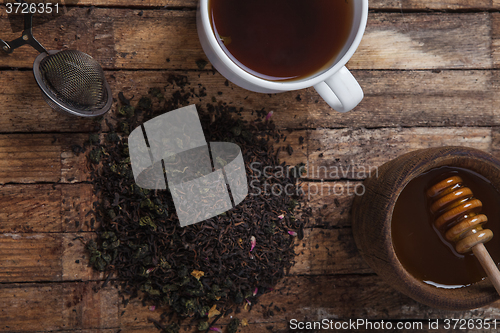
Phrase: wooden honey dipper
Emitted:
{"points": [[458, 215]]}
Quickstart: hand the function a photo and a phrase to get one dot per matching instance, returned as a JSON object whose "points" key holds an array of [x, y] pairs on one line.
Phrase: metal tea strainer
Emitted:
{"points": [[71, 81]]}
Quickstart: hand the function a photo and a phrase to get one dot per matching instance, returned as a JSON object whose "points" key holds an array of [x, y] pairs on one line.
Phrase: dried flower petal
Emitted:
{"points": [[253, 242], [255, 291], [150, 270], [281, 217], [244, 322], [292, 233], [216, 329], [197, 274], [213, 312], [152, 308], [269, 115]]}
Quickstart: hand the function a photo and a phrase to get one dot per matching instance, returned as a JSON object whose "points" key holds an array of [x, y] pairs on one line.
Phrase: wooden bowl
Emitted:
{"points": [[372, 215]]}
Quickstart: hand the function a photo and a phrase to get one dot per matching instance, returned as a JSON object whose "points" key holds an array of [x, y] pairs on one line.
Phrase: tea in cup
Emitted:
{"points": [[283, 45]]}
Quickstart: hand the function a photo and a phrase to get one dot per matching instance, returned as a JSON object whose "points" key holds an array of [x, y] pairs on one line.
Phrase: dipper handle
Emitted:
{"points": [[488, 264]]}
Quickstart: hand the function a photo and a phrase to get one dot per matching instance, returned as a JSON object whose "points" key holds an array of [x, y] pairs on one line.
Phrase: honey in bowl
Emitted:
{"points": [[422, 249]]}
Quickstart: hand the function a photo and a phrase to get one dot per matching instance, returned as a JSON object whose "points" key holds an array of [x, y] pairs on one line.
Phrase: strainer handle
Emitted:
{"points": [[26, 38]]}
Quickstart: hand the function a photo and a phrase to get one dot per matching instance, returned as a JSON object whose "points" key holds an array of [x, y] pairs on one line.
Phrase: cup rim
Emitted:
{"points": [[283, 85]]}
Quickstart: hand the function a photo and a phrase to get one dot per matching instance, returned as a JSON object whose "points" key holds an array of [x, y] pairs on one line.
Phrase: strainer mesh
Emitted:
{"points": [[76, 79]]}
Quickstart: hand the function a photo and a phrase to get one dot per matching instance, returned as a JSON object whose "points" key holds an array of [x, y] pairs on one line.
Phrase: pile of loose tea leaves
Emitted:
{"points": [[207, 269]]}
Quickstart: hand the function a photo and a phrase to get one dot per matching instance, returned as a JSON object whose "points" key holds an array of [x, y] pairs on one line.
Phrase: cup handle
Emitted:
{"points": [[341, 91]]}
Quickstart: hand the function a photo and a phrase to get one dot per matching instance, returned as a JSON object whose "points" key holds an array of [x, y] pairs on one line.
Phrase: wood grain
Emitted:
{"points": [[329, 153], [46, 208], [30, 158], [434, 4], [55, 306], [52, 257], [37, 257], [495, 38], [328, 252], [418, 41], [357, 153], [330, 202], [374, 4], [75, 306], [167, 39], [430, 79], [392, 98]]}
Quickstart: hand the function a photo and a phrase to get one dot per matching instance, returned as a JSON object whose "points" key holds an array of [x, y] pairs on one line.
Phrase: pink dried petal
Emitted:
{"points": [[216, 329], [249, 303], [253, 242], [292, 233], [255, 291], [281, 217], [150, 270], [152, 308], [269, 115]]}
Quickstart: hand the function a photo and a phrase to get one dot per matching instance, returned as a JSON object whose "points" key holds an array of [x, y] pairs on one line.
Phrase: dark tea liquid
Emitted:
{"points": [[282, 39], [420, 247]]}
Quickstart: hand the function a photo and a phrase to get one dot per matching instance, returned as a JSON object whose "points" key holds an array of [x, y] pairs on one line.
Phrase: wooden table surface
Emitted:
{"points": [[429, 70]]}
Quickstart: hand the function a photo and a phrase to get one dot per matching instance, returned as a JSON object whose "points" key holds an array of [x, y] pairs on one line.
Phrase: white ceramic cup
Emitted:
{"points": [[335, 84]]}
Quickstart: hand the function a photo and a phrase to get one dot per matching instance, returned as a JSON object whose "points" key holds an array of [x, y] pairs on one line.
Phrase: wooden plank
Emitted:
{"points": [[75, 306], [167, 39], [392, 99], [330, 202], [141, 4], [318, 297], [349, 154], [117, 38], [56, 306], [40, 208], [374, 4], [434, 4], [37, 257], [23, 108], [275, 327], [495, 37], [414, 98], [32, 257], [328, 252], [45, 208], [331, 153], [419, 41], [357, 153], [30, 158]]}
